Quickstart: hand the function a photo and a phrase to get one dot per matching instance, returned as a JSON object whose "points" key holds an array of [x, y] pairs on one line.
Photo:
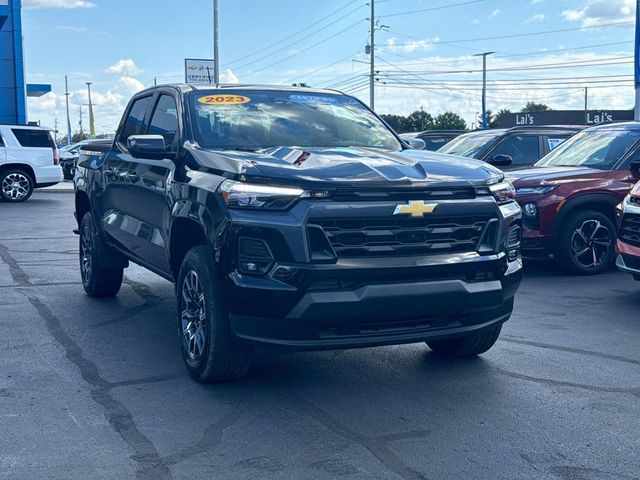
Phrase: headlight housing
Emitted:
{"points": [[263, 197], [521, 192], [503, 192]]}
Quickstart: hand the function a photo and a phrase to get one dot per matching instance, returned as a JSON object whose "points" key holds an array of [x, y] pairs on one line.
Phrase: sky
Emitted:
{"points": [[545, 51]]}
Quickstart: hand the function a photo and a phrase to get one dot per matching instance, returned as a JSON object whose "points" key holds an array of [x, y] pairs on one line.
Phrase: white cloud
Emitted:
{"points": [[475, 21], [495, 13], [597, 12], [411, 46], [123, 67], [70, 28], [228, 76], [535, 2], [57, 4], [538, 17]]}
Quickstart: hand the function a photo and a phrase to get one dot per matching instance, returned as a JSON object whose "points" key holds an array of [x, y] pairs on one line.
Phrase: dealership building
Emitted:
{"points": [[13, 88]]}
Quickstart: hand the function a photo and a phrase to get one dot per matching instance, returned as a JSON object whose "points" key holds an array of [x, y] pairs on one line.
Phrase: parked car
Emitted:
{"points": [[569, 197], [509, 148], [295, 218], [628, 246], [28, 160], [69, 157], [434, 139]]}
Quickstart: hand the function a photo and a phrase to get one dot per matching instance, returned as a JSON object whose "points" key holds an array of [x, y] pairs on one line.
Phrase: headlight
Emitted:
{"points": [[245, 195], [503, 192], [530, 209], [521, 192]]}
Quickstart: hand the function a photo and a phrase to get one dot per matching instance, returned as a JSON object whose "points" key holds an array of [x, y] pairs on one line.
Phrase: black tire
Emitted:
{"points": [[596, 230], [16, 185], [466, 346], [96, 280], [208, 349]]}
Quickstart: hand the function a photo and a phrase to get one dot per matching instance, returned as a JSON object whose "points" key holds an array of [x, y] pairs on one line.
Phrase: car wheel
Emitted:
{"points": [[466, 346], [587, 244], [207, 346], [15, 185], [96, 280]]}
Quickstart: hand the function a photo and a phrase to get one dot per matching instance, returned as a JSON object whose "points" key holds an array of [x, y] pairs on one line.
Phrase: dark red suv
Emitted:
{"points": [[629, 234], [569, 197]]}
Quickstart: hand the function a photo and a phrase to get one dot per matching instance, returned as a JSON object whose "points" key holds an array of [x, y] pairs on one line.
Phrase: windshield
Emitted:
{"points": [[263, 119], [601, 149], [472, 146]]}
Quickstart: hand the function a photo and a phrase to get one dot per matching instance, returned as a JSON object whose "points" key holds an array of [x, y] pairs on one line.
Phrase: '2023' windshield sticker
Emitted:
{"points": [[224, 100]]}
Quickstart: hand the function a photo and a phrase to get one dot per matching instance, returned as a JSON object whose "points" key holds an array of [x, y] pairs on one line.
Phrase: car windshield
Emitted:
{"points": [[263, 119], [472, 146], [600, 149]]}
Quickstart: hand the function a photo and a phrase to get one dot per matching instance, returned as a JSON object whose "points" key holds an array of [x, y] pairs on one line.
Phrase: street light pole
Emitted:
{"points": [[216, 55], [92, 121], [372, 63], [66, 94], [637, 62], [485, 123]]}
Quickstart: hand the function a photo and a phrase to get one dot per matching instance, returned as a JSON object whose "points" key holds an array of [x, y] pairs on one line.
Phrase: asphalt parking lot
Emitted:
{"points": [[96, 388]]}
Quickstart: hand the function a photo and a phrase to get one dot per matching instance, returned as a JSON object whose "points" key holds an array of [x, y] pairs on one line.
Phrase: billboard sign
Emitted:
{"points": [[564, 117], [198, 71]]}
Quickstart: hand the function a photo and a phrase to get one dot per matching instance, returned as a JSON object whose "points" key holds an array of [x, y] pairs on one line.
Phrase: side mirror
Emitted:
{"points": [[415, 143], [147, 146], [501, 160]]}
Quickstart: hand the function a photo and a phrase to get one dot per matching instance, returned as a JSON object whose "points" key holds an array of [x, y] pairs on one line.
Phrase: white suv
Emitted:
{"points": [[28, 160]]}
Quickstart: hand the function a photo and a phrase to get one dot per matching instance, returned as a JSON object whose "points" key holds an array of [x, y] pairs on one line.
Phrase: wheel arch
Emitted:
{"points": [[604, 203], [185, 234], [82, 204], [22, 166]]}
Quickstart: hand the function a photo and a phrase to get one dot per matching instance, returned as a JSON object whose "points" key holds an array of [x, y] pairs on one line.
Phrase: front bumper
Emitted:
{"points": [[628, 260], [381, 304]]}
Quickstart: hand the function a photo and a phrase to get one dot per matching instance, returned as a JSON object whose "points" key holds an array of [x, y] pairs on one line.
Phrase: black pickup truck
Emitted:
{"points": [[296, 218]]}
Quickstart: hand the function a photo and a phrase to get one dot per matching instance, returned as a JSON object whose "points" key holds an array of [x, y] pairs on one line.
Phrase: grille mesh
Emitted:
{"points": [[630, 230]]}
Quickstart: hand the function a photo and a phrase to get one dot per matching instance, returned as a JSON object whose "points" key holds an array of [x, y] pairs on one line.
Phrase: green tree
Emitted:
{"points": [[450, 121], [397, 122], [79, 137], [534, 107], [301, 84], [494, 117], [419, 121]]}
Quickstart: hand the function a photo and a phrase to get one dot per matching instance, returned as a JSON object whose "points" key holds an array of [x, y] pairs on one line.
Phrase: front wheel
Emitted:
{"points": [[16, 185], [96, 280], [203, 323], [466, 346], [586, 245]]}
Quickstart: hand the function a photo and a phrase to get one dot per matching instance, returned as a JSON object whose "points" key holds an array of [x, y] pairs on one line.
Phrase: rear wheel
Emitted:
{"points": [[586, 246], [203, 323], [96, 280], [16, 185], [466, 346]]}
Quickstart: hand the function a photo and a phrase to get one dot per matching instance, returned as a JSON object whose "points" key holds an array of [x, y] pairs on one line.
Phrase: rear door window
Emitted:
{"points": [[555, 141], [33, 138], [523, 149], [134, 125]]}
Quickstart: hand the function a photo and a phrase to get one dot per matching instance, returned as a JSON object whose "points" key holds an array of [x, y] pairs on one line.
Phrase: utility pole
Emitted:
{"points": [[586, 105], [81, 130], [372, 74], [66, 94], [485, 123], [637, 62], [216, 54], [92, 121]]}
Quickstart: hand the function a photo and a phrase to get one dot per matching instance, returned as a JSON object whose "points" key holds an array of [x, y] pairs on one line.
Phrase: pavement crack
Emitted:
{"points": [[562, 383], [377, 446], [150, 465], [17, 273], [561, 348]]}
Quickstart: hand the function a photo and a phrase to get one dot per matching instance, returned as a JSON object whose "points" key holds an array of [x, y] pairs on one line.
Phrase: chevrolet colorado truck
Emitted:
{"points": [[296, 218]]}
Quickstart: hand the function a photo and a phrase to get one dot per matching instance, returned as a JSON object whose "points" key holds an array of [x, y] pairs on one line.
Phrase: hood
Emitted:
{"points": [[352, 166], [550, 175]]}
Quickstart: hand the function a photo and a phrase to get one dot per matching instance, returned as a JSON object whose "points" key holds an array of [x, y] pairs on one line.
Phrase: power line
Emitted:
{"points": [[305, 49], [442, 7], [302, 30]]}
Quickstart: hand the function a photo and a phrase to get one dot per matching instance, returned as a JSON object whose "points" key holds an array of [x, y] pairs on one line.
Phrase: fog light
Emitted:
{"points": [[513, 255], [530, 209]]}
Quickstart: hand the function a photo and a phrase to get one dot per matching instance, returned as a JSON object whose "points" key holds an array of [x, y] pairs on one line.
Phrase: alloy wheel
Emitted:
{"points": [[591, 244], [86, 261], [193, 316], [15, 186]]}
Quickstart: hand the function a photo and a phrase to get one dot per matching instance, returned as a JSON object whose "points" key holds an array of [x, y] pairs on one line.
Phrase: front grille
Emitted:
{"points": [[380, 237], [630, 229], [400, 194]]}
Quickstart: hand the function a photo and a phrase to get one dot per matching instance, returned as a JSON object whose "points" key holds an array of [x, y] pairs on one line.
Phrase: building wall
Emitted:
{"points": [[12, 81]]}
